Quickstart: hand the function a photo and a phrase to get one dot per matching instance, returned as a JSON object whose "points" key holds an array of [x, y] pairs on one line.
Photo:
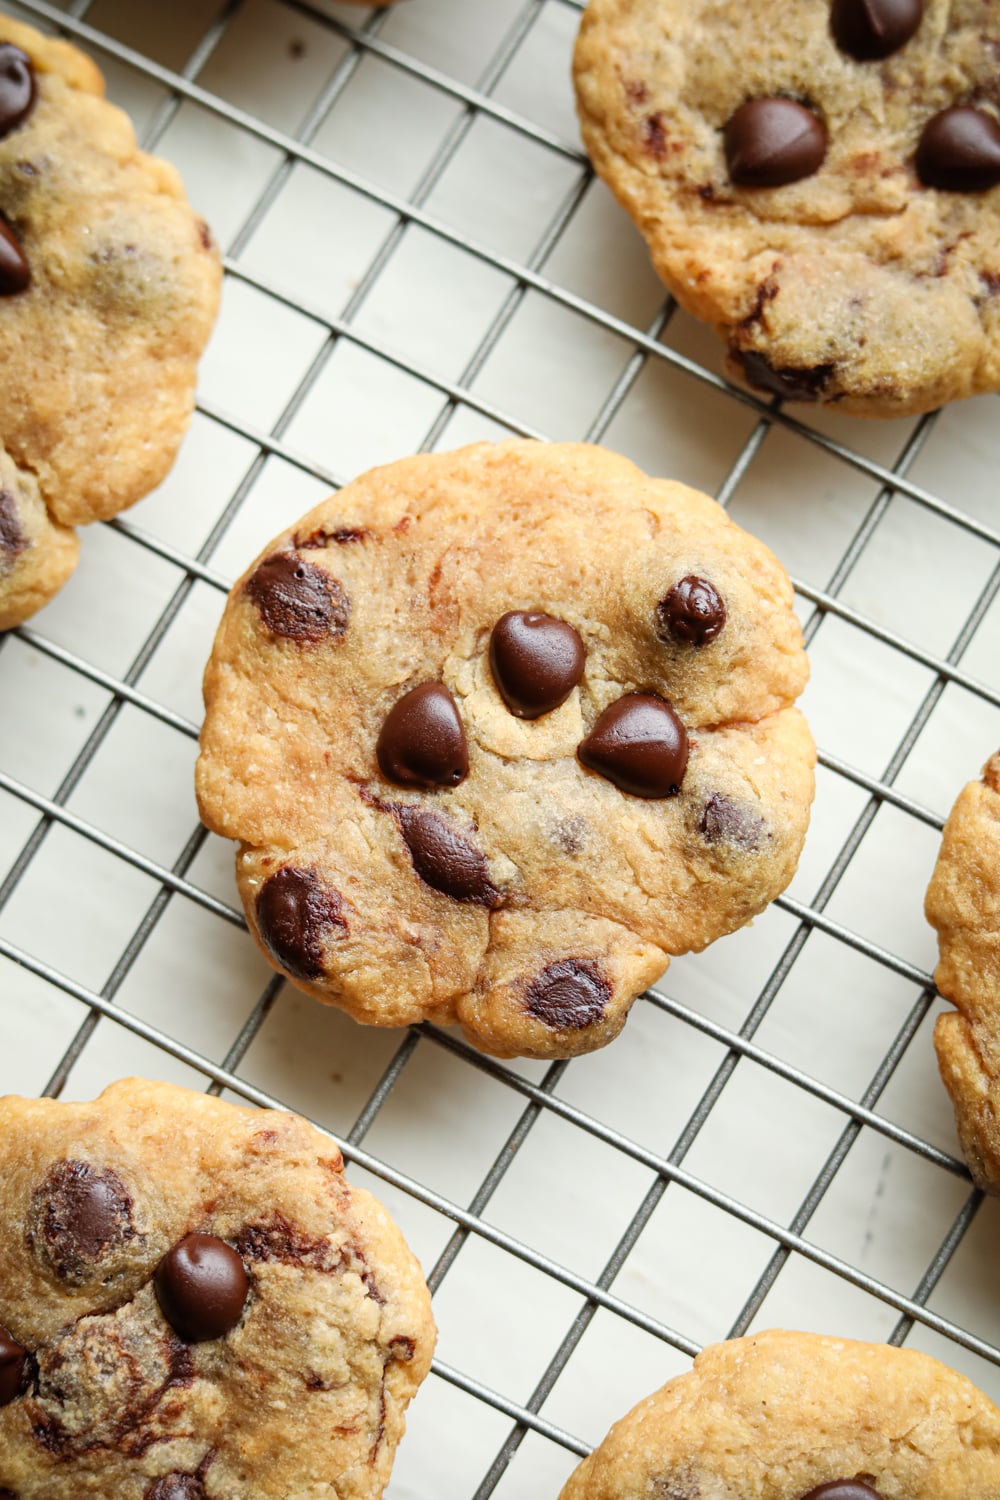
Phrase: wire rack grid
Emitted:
{"points": [[417, 254]]}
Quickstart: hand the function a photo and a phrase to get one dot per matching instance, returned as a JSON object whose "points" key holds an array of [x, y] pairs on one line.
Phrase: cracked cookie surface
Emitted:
{"points": [[416, 843], [304, 1322], [101, 346], [856, 283], [797, 1416], [963, 904]]}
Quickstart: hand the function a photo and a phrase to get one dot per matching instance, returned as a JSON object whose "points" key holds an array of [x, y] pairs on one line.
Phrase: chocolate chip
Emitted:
{"points": [[871, 29], [319, 537], [17, 87], [12, 1362], [568, 995], [298, 600], [12, 539], [769, 142], [843, 1489], [422, 742], [536, 662], [295, 913], [176, 1486], [445, 860], [78, 1215], [788, 383], [201, 1286], [692, 612], [640, 744], [722, 822], [15, 273], [959, 150]]}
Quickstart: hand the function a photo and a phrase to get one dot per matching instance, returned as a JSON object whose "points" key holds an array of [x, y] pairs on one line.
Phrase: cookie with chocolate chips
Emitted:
{"points": [[963, 904], [229, 1320], [819, 179], [499, 731], [796, 1416], [109, 285]]}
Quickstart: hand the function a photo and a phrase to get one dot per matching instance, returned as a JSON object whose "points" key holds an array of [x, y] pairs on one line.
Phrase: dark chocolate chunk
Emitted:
{"points": [[12, 539], [722, 822], [176, 1486], [295, 913], [17, 87], [959, 150], [872, 29], [15, 273], [297, 599], [788, 383], [445, 860], [843, 1489], [692, 612], [422, 742], [78, 1216], [568, 995], [201, 1286], [12, 1362], [640, 744], [536, 662], [769, 142]]}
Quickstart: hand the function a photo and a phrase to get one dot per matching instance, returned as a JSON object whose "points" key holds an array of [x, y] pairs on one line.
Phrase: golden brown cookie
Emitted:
{"points": [[498, 731], [109, 286], [195, 1305], [796, 1416], [963, 904], [817, 180]]}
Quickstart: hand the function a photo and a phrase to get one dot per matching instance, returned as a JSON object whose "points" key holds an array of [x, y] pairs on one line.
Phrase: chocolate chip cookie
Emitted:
{"points": [[818, 180], [500, 730], [963, 904], [109, 286], [795, 1416], [195, 1305]]}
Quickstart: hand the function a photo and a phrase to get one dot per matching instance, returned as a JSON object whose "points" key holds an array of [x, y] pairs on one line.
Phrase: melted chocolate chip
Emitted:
{"points": [[722, 822], [568, 995], [78, 1215], [870, 29], [422, 742], [640, 744], [15, 273], [769, 142], [536, 662], [295, 913], [298, 600], [12, 539], [445, 860], [788, 383], [17, 87], [692, 612], [176, 1487], [12, 1362], [201, 1286], [843, 1489], [959, 150]]}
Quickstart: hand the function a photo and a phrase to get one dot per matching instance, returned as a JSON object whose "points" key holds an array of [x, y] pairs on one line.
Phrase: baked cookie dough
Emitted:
{"points": [[817, 180], [195, 1305], [796, 1416], [109, 286], [498, 731], [963, 904]]}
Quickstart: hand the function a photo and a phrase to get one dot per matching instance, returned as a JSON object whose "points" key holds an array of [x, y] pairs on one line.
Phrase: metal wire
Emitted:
{"points": [[538, 1100]]}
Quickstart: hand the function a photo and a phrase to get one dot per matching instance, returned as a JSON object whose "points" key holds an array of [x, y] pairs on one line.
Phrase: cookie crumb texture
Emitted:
{"points": [[412, 845], [101, 344], [857, 283], [796, 1416], [305, 1360], [963, 904]]}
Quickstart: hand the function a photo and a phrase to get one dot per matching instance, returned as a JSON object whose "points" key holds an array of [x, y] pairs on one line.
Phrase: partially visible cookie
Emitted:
{"points": [[498, 731], [195, 1305], [818, 180], [796, 1416], [109, 286], [963, 904]]}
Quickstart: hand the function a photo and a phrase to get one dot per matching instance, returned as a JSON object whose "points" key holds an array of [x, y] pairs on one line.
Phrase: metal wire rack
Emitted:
{"points": [[417, 254]]}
